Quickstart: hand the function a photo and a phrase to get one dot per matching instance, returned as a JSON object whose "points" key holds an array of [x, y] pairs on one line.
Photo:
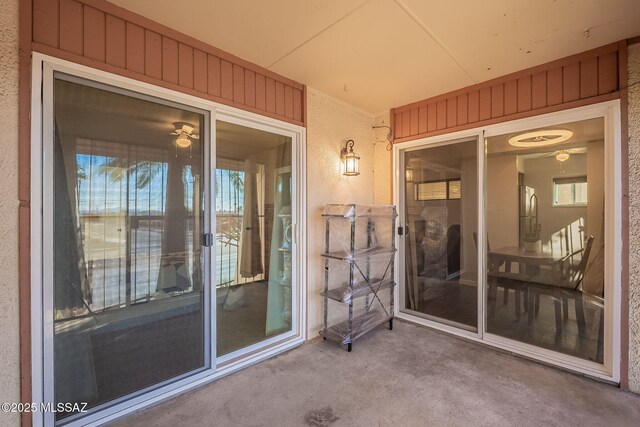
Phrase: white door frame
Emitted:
{"points": [[43, 68], [610, 111]]}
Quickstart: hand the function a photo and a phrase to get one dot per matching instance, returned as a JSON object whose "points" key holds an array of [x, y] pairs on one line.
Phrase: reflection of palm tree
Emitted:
{"points": [[230, 226], [235, 177], [145, 170], [81, 176]]}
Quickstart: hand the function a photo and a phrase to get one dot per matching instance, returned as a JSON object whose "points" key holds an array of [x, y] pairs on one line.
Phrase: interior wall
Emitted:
{"points": [[330, 123], [634, 216], [9, 316], [539, 174], [502, 199]]}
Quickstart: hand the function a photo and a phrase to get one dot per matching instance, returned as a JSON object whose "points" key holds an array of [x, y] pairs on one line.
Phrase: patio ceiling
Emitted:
{"points": [[377, 54]]}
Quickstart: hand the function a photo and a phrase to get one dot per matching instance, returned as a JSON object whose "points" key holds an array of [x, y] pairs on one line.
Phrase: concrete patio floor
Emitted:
{"points": [[411, 376]]}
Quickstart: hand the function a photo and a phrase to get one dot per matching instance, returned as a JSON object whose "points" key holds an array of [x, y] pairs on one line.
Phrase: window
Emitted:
{"points": [[438, 190], [570, 191]]}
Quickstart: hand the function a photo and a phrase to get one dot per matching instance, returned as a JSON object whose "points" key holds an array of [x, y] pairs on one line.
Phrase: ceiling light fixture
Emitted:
{"points": [[540, 138], [562, 156], [185, 134]]}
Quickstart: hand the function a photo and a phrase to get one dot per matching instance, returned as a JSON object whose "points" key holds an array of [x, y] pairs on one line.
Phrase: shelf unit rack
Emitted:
{"points": [[371, 269]]}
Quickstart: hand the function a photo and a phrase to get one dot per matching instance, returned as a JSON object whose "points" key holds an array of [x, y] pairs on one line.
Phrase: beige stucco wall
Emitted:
{"points": [[634, 217], [9, 319], [382, 157], [330, 123]]}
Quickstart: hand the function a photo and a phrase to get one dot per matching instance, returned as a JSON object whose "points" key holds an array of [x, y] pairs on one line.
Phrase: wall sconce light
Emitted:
{"points": [[349, 159], [408, 174]]}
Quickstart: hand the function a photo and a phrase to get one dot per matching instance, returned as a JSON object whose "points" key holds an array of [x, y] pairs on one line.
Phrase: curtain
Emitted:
{"points": [[72, 290], [250, 253], [279, 284]]}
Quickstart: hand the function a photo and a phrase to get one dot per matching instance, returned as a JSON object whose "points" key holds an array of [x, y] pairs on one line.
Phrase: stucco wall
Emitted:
{"points": [[634, 217], [382, 157], [330, 123], [9, 332]]}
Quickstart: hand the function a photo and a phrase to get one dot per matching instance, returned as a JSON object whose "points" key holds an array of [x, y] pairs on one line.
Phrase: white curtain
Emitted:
{"points": [[250, 251]]}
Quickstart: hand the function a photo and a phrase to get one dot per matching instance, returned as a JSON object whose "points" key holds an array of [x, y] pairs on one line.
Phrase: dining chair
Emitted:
{"points": [[564, 283], [505, 280]]}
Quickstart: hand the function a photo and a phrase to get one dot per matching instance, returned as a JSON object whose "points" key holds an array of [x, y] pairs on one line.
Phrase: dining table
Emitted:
{"points": [[529, 265]]}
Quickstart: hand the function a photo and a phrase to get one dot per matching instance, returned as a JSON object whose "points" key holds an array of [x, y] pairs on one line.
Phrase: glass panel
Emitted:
{"points": [[545, 225], [128, 281], [253, 235], [454, 190], [441, 216]]}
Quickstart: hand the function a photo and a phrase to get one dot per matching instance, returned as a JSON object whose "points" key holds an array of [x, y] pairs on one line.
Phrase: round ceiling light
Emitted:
{"points": [[183, 141], [562, 156], [540, 138]]}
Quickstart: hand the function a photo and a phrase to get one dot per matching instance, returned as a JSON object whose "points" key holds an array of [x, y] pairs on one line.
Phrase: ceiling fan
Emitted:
{"points": [[185, 134], [563, 155]]}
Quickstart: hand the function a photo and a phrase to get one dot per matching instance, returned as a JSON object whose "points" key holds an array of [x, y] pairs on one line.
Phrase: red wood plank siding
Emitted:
{"points": [[116, 42], [571, 82], [226, 79], [135, 48], [607, 73], [511, 97], [288, 102], [280, 99], [169, 60], [94, 34], [485, 103], [497, 100], [554, 86], [261, 92], [238, 84], [589, 78], [406, 123], [413, 119], [422, 119], [474, 106], [432, 117], [452, 112], [539, 90], [441, 114], [214, 76], [582, 79], [524, 94], [71, 24], [463, 109], [270, 93], [104, 36], [185, 65], [297, 105], [153, 54], [46, 22], [200, 71]]}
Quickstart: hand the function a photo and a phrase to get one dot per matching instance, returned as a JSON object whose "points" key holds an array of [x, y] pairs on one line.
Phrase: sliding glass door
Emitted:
{"points": [[253, 264], [440, 223], [513, 241], [546, 237], [129, 269], [165, 242]]}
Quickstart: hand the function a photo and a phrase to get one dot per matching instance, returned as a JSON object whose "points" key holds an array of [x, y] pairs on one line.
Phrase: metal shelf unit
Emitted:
{"points": [[370, 260]]}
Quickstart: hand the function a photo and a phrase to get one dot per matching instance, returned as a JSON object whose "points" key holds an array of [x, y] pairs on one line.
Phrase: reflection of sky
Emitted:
{"points": [[99, 191]]}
